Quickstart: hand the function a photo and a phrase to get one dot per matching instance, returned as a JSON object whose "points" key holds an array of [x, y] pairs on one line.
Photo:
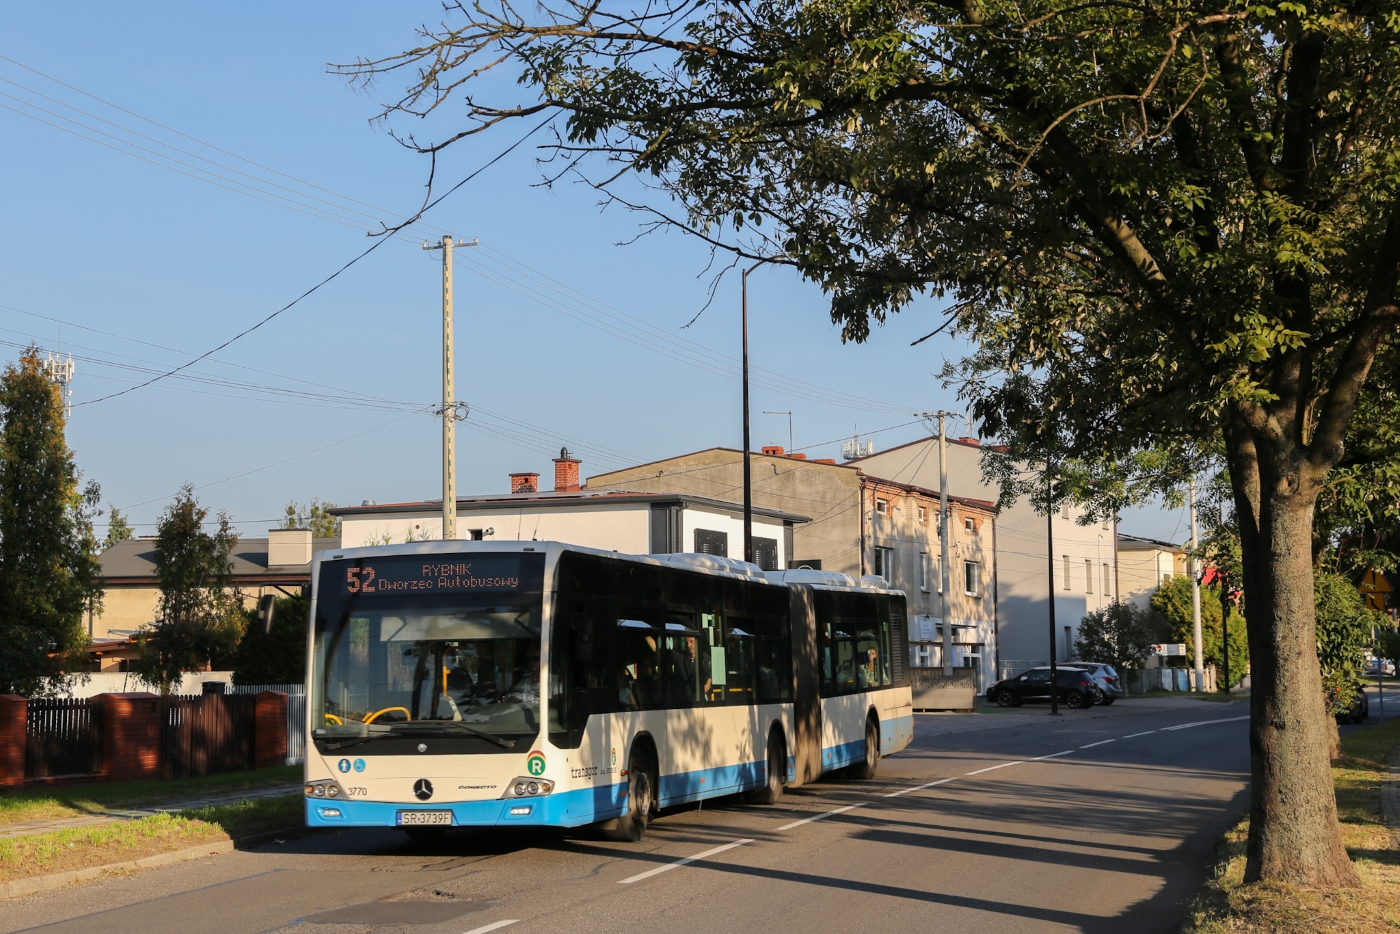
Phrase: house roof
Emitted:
{"points": [[134, 561], [964, 442], [603, 498], [1138, 543], [734, 451]]}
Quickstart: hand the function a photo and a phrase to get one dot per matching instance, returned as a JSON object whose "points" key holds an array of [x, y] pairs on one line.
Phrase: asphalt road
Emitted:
{"points": [[998, 822]]}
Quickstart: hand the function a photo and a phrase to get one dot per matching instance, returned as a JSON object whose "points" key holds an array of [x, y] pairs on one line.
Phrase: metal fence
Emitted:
{"points": [[296, 715], [63, 736], [206, 734]]}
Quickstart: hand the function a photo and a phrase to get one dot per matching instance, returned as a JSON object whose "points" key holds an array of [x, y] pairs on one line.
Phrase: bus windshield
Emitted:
{"points": [[411, 659]]}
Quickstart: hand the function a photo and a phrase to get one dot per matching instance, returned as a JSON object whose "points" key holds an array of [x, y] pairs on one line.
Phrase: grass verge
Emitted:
{"points": [[122, 841], [79, 800], [1229, 905]]}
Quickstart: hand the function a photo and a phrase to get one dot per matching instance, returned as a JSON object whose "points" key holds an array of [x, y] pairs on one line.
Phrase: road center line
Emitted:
{"points": [[992, 768], [1053, 755], [496, 926], [1143, 733], [808, 820], [1099, 743], [941, 781], [678, 863]]}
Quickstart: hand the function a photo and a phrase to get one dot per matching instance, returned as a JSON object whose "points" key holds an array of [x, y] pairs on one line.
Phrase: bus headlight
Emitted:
{"points": [[528, 787], [324, 788]]}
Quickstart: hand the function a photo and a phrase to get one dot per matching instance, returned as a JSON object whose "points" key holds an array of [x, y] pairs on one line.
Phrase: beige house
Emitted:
{"points": [[860, 524], [280, 563], [1144, 564]]}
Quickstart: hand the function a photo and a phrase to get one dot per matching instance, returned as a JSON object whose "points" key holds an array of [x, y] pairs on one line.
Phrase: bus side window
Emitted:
{"points": [[580, 682], [638, 660]]}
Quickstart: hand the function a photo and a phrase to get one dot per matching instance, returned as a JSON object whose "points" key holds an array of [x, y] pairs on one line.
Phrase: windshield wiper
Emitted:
{"points": [[414, 729], [355, 742]]}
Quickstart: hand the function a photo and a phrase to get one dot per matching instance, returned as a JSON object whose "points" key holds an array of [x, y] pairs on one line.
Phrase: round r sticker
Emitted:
{"points": [[535, 764]]}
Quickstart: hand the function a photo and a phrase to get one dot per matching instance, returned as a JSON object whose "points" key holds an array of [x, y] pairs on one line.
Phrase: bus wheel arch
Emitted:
{"points": [[643, 781], [643, 751]]}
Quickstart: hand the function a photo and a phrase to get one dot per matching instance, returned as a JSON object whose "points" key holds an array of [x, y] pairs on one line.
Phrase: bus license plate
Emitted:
{"points": [[425, 818]]}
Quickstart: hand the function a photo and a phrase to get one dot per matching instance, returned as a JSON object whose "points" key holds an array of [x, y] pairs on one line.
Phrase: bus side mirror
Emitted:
{"points": [[267, 606]]}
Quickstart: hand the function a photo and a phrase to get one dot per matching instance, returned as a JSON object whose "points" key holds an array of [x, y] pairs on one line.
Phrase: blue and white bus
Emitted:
{"points": [[538, 683]]}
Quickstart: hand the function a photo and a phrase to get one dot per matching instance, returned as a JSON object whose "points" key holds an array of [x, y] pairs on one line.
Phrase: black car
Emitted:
{"points": [[1075, 688], [1360, 708]]}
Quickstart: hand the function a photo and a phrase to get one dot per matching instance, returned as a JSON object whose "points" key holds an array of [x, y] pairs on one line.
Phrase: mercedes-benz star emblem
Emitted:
{"points": [[422, 747], [422, 789]]}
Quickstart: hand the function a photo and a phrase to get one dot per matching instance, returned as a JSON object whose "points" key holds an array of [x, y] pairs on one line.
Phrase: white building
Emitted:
{"points": [[613, 520], [1144, 564], [1084, 557]]}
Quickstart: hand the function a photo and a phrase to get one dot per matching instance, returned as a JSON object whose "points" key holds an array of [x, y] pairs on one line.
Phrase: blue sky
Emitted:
{"points": [[564, 336]]}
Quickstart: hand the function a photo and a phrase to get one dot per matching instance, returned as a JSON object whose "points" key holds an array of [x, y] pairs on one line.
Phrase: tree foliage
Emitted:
{"points": [[1173, 600], [1120, 634], [278, 657], [1344, 624], [200, 614], [316, 516], [1170, 229], [48, 564], [118, 529]]}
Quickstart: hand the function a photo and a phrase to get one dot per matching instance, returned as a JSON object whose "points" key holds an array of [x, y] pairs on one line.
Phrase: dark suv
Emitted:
{"points": [[1074, 686]]}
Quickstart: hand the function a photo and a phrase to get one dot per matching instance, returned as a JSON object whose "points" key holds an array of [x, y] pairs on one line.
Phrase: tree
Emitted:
{"points": [[118, 529], [316, 517], [48, 564], [200, 613], [1344, 625], [1120, 634], [278, 657], [1173, 600], [1166, 227]]}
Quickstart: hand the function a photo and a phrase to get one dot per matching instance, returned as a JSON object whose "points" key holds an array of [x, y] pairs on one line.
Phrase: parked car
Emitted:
{"points": [[1106, 680], [1373, 665], [1360, 708], [1073, 685]]}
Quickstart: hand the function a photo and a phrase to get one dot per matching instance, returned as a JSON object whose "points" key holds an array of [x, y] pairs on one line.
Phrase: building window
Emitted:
{"points": [[923, 571], [923, 513], [712, 543], [1088, 576], [884, 563], [972, 578], [882, 506], [765, 553], [1067, 581], [969, 525], [1107, 590]]}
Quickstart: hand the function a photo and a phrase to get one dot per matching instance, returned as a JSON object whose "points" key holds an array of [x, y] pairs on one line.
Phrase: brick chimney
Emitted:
{"points": [[566, 472], [773, 450], [524, 483]]}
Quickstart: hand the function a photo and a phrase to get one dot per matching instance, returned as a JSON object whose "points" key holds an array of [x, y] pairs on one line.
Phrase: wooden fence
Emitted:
{"points": [[206, 734], [63, 737]]}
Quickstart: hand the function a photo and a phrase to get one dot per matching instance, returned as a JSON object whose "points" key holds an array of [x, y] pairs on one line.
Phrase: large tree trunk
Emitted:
{"points": [[1293, 831]]}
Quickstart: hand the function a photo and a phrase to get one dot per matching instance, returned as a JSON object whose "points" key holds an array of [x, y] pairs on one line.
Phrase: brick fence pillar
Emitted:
{"points": [[270, 730], [130, 736], [13, 715]]}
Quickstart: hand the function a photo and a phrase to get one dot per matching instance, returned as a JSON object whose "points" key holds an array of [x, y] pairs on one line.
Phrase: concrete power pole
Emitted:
{"points": [[1196, 597], [450, 406]]}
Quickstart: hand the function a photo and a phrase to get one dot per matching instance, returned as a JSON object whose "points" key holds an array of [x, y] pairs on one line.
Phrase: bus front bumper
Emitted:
{"points": [[561, 809]]}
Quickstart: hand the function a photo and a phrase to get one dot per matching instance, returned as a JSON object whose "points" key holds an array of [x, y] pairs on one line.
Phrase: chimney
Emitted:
{"points": [[524, 483], [566, 472], [288, 547], [773, 450]]}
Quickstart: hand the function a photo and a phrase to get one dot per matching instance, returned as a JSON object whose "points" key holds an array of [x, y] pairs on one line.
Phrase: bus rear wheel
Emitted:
{"points": [[640, 798], [865, 769], [772, 788]]}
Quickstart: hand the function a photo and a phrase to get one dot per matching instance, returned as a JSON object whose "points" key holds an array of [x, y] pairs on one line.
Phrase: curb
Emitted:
{"points": [[57, 880]]}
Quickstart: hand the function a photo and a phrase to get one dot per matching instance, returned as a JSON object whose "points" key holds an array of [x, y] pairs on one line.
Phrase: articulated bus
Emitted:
{"points": [[538, 683]]}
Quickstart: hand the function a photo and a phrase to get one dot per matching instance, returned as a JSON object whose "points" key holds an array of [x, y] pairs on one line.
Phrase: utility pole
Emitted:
{"points": [[748, 470], [450, 406], [789, 415], [1050, 579], [1196, 596], [944, 559]]}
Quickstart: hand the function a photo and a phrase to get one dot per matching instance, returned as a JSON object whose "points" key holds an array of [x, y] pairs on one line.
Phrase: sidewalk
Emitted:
{"points": [[110, 815]]}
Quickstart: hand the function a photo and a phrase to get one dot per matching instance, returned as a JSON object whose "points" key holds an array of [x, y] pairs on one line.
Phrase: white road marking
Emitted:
{"points": [[1187, 726], [493, 927], [1053, 755], [1099, 743], [941, 781], [1143, 733], [678, 863], [808, 820], [992, 768]]}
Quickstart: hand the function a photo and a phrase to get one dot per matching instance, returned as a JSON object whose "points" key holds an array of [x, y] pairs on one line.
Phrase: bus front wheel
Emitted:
{"points": [[640, 798], [866, 767]]}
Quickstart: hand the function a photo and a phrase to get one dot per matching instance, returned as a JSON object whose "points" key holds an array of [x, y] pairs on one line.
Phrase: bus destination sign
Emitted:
{"points": [[395, 575]]}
